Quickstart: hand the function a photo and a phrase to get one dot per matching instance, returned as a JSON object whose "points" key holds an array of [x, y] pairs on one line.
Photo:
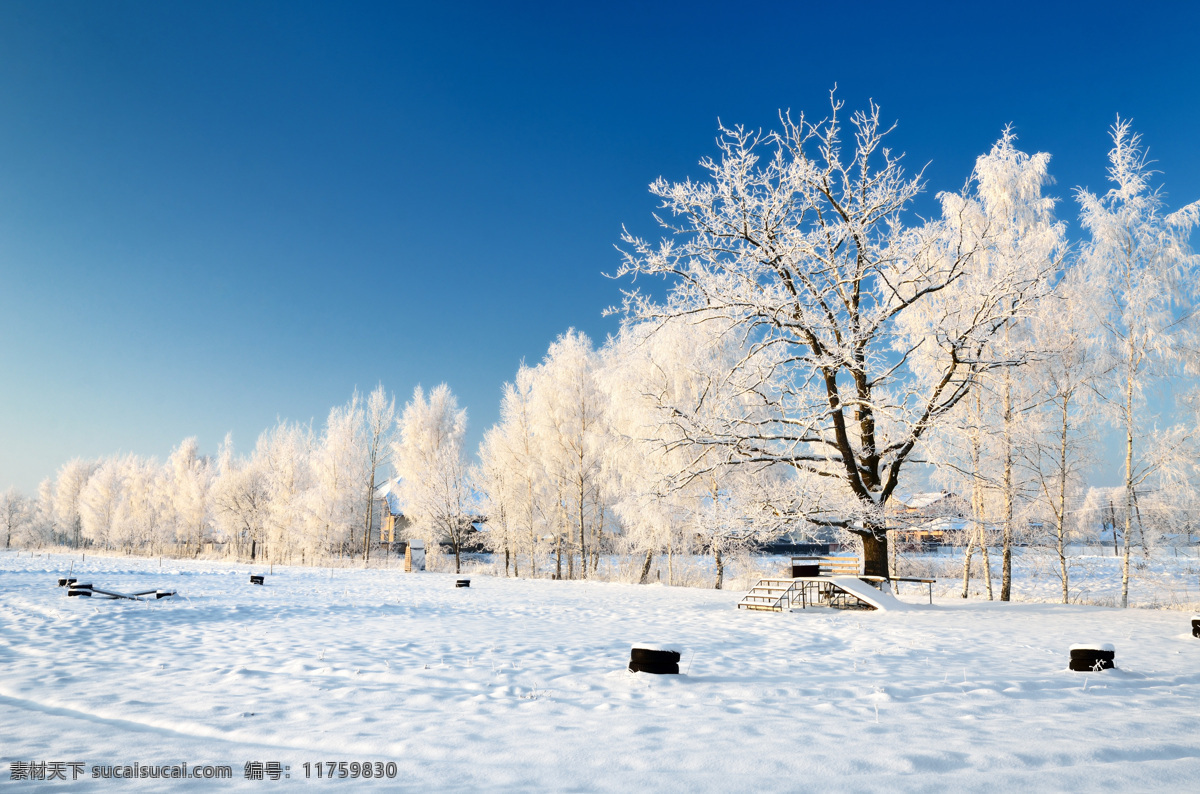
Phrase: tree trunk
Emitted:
{"points": [[1128, 487], [987, 563], [646, 567], [583, 559], [457, 557], [370, 527], [1006, 560], [670, 564], [570, 545], [1112, 524], [1141, 527], [875, 554], [977, 499], [529, 517], [1062, 502], [720, 568], [967, 565]]}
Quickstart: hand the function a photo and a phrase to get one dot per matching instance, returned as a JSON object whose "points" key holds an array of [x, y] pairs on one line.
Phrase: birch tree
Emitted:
{"points": [[1139, 263], [69, 483], [283, 457], [433, 490], [571, 410], [334, 495], [1066, 440], [144, 510], [799, 240], [188, 481], [99, 500], [14, 515], [513, 478], [240, 500], [380, 422], [1023, 240]]}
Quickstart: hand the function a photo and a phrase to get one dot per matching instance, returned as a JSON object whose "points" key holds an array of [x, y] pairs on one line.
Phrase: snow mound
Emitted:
{"points": [[1093, 646]]}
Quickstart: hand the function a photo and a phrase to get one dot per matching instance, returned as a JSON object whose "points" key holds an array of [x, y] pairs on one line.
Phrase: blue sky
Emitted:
{"points": [[216, 214]]}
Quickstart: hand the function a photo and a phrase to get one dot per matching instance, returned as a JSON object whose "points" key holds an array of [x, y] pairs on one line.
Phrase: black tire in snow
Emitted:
{"points": [[1091, 658], [653, 660]]}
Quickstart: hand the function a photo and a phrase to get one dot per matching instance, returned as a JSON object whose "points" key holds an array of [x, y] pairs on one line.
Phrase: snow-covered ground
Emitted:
{"points": [[521, 685]]}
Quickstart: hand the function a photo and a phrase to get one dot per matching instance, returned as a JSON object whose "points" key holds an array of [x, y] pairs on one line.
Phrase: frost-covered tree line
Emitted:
{"points": [[808, 350], [298, 494]]}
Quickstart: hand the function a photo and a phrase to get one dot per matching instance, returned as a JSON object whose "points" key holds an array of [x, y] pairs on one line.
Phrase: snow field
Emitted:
{"points": [[521, 684]]}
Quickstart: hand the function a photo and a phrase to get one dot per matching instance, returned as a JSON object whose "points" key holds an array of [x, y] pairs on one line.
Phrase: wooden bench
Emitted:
{"points": [[824, 566]]}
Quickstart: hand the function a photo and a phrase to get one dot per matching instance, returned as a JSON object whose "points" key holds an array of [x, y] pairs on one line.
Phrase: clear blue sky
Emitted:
{"points": [[213, 214]]}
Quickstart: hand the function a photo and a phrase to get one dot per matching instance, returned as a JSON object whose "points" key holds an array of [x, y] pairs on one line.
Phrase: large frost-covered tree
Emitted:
{"points": [[1140, 265], [800, 241]]}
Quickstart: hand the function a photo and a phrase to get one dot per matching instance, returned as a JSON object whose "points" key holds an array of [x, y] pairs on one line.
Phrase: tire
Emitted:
{"points": [[653, 656], [665, 668], [652, 660], [1086, 660]]}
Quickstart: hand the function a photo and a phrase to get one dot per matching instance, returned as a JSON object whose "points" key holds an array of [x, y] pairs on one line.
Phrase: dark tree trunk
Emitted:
{"points": [[645, 577], [875, 554]]}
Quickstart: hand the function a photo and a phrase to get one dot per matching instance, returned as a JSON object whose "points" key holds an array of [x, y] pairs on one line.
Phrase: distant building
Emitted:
{"points": [[392, 520], [928, 519]]}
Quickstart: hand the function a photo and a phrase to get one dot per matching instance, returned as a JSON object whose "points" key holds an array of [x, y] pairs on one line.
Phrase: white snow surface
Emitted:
{"points": [[520, 685]]}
